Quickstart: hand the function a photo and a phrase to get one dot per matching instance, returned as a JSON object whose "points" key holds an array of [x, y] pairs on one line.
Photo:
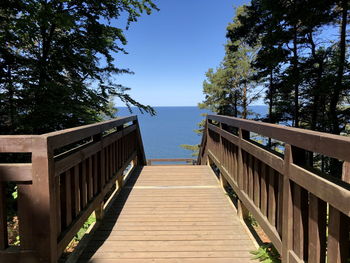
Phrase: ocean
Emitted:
{"points": [[163, 134]]}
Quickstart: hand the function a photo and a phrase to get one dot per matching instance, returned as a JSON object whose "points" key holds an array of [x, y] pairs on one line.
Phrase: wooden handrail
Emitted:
{"points": [[70, 173], [291, 202], [186, 160]]}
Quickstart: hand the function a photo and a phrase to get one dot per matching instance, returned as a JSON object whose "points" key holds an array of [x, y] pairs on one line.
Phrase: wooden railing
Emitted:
{"points": [[304, 213], [69, 175], [182, 161]]}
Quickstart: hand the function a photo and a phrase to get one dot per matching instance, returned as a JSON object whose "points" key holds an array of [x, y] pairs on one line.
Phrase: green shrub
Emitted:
{"points": [[266, 253]]}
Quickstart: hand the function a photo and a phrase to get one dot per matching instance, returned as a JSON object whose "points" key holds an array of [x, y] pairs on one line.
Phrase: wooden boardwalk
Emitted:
{"points": [[170, 214]]}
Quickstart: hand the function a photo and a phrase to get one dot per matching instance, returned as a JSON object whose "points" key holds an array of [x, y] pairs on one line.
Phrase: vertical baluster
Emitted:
{"points": [[271, 197], [63, 201], [76, 190], [25, 216], [257, 182], [117, 155], [298, 222], [95, 172], [232, 160], [68, 197], [263, 188], [90, 187], [83, 188], [111, 171], [106, 161], [245, 172], [101, 166], [236, 164], [113, 159], [279, 194], [317, 229], [251, 176], [58, 204]]}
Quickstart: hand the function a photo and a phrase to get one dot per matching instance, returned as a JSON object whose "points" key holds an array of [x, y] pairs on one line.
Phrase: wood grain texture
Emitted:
{"points": [[170, 214]]}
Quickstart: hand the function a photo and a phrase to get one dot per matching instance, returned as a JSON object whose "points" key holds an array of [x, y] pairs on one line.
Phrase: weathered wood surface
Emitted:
{"points": [[170, 214], [304, 212], [68, 176]]}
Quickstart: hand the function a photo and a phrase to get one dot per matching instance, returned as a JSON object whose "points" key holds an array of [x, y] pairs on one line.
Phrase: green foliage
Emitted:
{"points": [[17, 242], [266, 254], [84, 228], [251, 220], [193, 148], [305, 73], [303, 67], [15, 193], [57, 62], [230, 88]]}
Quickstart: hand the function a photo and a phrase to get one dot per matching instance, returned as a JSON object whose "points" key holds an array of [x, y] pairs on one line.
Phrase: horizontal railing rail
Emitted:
{"points": [[69, 175], [173, 160], [304, 212]]}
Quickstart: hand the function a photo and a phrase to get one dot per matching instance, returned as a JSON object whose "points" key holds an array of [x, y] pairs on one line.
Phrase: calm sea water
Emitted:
{"points": [[163, 134]]}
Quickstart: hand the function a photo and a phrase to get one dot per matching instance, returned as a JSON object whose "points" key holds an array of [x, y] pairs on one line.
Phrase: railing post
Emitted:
{"points": [[287, 214], [221, 146], [99, 211], [338, 228], [141, 152], [242, 210], [204, 159], [43, 201]]}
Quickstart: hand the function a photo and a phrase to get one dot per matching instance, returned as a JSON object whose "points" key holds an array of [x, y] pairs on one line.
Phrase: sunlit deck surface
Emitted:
{"points": [[170, 214]]}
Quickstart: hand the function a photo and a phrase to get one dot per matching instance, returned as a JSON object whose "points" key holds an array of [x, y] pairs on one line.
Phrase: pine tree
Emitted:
{"points": [[57, 67], [231, 88]]}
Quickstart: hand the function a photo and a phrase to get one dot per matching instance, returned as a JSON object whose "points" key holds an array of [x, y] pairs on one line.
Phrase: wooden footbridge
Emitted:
{"points": [[176, 213]]}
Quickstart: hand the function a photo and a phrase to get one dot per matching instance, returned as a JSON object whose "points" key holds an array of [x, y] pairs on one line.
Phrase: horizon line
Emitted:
{"points": [[182, 106]]}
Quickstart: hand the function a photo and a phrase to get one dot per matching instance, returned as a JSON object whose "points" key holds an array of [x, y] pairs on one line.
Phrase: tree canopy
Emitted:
{"points": [[297, 51], [57, 61], [230, 88], [298, 54]]}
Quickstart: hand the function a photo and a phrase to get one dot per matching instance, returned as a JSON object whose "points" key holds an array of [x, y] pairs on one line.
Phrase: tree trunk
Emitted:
{"points": [[270, 96], [244, 102], [296, 78], [339, 81], [11, 100], [317, 89]]}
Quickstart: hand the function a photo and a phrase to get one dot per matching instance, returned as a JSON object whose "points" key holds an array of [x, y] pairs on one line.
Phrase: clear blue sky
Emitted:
{"points": [[171, 50]]}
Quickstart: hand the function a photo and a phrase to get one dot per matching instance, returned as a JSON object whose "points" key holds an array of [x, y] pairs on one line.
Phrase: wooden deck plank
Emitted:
{"points": [[170, 214]]}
